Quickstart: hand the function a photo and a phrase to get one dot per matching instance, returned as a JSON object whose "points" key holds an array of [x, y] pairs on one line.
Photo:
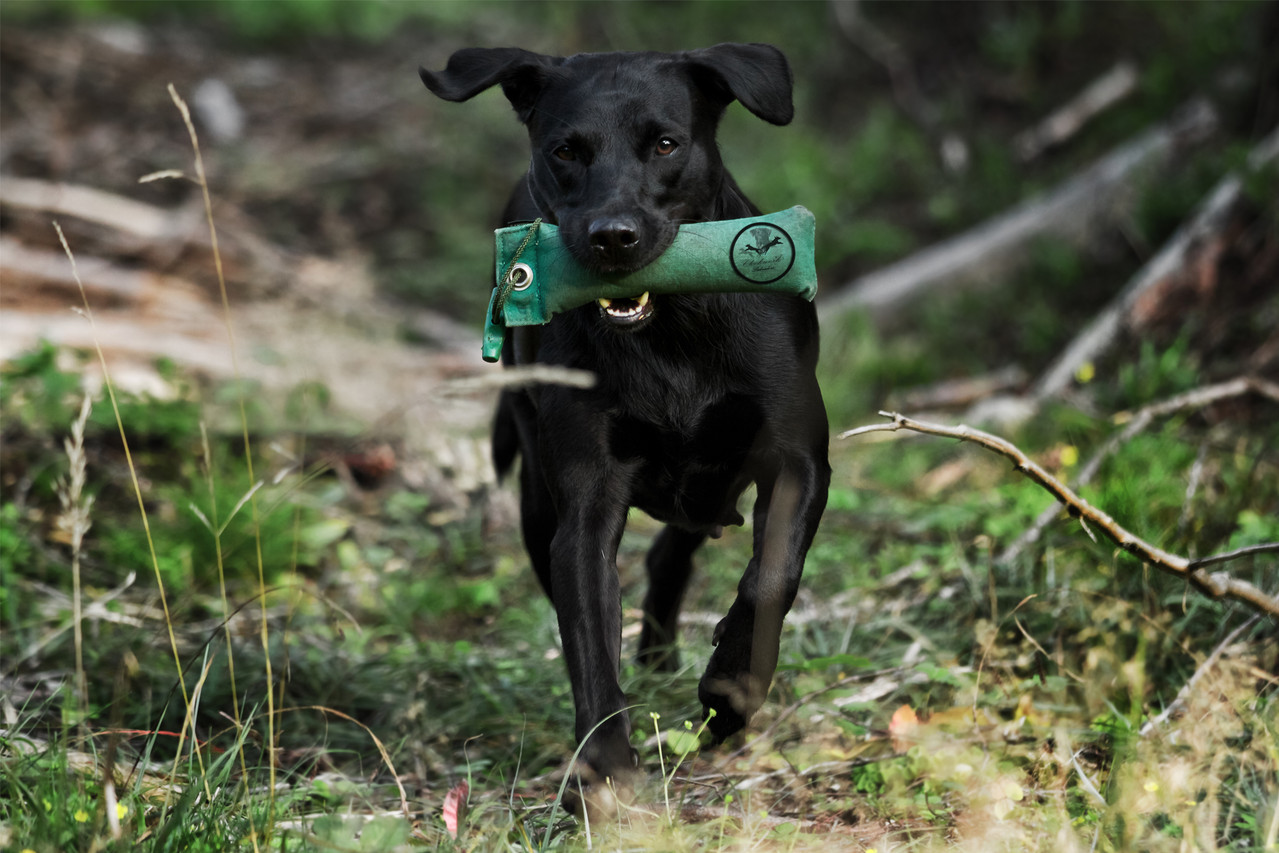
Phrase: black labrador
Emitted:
{"points": [[697, 396]]}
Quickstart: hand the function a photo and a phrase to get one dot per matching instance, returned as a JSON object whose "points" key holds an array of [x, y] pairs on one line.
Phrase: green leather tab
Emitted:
{"points": [[770, 253]]}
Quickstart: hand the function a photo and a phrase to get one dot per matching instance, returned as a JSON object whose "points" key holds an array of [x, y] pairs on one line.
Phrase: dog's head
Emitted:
{"points": [[623, 144]]}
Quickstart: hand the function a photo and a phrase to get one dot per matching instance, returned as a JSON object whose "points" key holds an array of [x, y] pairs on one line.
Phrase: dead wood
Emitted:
{"points": [[1215, 585], [36, 278], [1073, 211], [1199, 234], [146, 223], [118, 226], [1101, 94]]}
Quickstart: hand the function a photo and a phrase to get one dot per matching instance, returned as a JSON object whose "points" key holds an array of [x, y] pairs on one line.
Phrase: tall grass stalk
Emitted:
{"points": [[142, 509], [75, 521], [215, 530], [202, 180]]}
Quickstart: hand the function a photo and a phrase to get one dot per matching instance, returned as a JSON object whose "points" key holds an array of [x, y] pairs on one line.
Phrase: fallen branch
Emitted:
{"points": [[958, 393], [1210, 218], [145, 222], [1101, 94], [1197, 398], [1071, 211], [1216, 584]]}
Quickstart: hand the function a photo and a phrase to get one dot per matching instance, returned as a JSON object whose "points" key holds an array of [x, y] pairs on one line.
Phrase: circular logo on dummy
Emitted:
{"points": [[762, 253]]}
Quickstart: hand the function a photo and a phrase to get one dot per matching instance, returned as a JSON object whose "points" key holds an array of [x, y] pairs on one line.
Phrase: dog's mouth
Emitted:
{"points": [[626, 312]]}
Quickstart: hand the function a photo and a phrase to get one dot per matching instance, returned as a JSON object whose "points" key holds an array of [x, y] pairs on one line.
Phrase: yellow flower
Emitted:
{"points": [[121, 810], [1085, 373], [1069, 456], [1151, 786], [81, 816]]}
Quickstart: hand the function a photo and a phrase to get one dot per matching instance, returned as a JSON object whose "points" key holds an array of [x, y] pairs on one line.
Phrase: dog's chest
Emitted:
{"points": [[690, 464]]}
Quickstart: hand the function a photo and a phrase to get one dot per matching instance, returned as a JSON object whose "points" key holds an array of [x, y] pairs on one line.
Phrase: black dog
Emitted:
{"points": [[697, 396]]}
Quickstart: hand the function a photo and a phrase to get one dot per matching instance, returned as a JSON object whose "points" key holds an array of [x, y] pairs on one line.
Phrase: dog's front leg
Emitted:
{"points": [[587, 599], [787, 511]]}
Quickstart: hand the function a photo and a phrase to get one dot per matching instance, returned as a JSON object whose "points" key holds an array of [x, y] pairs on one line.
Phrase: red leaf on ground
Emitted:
{"points": [[455, 807]]}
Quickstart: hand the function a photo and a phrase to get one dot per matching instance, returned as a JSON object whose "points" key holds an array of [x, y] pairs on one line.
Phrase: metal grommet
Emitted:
{"points": [[520, 276]]}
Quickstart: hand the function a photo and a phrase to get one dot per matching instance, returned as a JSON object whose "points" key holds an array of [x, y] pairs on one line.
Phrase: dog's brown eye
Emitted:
{"points": [[666, 146], [566, 153]]}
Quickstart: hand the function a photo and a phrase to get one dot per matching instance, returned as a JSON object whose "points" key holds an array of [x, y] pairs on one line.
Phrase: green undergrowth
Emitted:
{"points": [[1029, 680]]}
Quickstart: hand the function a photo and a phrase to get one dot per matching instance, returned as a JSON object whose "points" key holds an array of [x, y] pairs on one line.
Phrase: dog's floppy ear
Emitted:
{"points": [[474, 69], [755, 74]]}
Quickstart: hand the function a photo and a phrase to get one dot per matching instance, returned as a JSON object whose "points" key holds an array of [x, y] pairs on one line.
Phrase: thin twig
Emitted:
{"points": [[1209, 663], [1216, 585], [1085, 782], [1267, 548], [1196, 398], [1192, 485], [518, 377]]}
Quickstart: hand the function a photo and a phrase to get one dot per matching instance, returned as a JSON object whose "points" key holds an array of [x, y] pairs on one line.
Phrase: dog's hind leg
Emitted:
{"points": [[670, 565]]}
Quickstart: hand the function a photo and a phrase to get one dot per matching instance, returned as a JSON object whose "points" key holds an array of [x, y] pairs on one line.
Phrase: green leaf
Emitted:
{"points": [[384, 834], [682, 742]]}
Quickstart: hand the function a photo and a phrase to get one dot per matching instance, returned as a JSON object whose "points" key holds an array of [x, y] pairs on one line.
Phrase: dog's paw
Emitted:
{"points": [[734, 700], [597, 797]]}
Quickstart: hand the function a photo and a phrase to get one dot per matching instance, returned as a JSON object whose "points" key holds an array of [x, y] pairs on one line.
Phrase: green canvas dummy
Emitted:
{"points": [[538, 278]]}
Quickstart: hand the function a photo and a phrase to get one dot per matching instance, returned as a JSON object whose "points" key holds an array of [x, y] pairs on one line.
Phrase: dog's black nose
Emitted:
{"points": [[613, 237]]}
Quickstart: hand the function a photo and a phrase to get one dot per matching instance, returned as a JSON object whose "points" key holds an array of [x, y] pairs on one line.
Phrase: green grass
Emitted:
{"points": [[451, 663]]}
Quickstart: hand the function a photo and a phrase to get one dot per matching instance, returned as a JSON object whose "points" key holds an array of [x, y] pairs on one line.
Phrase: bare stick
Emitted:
{"points": [[1101, 94], [1216, 585], [1196, 398]]}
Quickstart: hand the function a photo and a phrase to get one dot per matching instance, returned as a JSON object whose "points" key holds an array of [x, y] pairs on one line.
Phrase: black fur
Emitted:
{"points": [[703, 396]]}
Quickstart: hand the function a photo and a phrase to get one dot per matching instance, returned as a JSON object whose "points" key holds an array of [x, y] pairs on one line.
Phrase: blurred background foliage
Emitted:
{"points": [[402, 603], [417, 180]]}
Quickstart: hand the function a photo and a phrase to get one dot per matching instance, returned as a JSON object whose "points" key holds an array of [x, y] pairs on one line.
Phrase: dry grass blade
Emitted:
{"points": [[202, 180], [74, 521], [142, 509], [386, 756]]}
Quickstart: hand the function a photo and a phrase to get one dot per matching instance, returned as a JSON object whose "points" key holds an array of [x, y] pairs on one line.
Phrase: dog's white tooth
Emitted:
{"points": [[643, 300], [605, 303]]}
